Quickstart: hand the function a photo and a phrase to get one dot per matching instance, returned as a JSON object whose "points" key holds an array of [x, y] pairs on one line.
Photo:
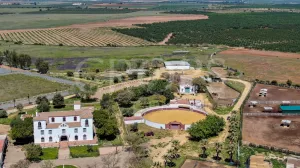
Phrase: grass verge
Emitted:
{"points": [[84, 151], [49, 154]]}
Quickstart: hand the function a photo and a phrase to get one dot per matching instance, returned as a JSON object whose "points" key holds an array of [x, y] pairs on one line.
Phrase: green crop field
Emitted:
{"points": [[19, 86], [266, 31]]}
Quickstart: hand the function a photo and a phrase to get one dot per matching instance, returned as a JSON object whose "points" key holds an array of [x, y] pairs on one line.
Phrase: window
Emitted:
{"points": [[52, 119], [75, 118], [84, 129], [39, 125], [86, 122], [50, 132], [50, 139], [84, 137], [42, 132], [63, 131], [42, 139], [76, 137], [76, 130], [64, 119]]}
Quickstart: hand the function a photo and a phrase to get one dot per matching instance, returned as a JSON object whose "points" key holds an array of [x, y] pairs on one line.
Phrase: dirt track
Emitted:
{"points": [[243, 51], [127, 22]]}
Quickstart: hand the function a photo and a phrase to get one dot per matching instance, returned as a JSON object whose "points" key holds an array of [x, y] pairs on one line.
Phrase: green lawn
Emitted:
{"points": [[19, 86], [116, 142], [82, 151], [223, 110], [238, 86], [49, 154]]}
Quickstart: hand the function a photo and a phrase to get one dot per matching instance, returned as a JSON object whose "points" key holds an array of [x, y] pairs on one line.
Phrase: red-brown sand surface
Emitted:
{"points": [[243, 51]]}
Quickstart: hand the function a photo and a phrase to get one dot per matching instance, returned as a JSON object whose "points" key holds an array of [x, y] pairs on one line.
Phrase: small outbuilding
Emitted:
{"points": [[177, 65], [186, 86]]}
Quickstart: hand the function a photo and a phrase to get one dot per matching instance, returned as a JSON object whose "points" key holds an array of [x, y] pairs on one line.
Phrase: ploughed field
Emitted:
{"points": [[167, 116], [73, 37]]}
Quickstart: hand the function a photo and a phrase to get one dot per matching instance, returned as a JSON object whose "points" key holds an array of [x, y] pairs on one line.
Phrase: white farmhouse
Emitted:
{"points": [[177, 65], [52, 127], [186, 86]]}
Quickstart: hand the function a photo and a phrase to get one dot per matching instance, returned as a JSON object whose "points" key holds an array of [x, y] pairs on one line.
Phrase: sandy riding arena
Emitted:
{"points": [[267, 131], [243, 51], [167, 116]]}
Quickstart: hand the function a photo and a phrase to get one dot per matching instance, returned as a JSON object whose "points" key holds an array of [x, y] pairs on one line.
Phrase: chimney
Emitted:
{"points": [[77, 105], [36, 113]]}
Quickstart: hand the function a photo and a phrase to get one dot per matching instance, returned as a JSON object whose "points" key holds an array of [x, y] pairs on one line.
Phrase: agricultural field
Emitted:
{"points": [[265, 31], [82, 11], [30, 21], [73, 37], [19, 86], [267, 131], [263, 65]]}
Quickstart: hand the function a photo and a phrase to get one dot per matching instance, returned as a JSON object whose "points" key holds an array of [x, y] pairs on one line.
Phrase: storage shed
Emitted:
{"points": [[290, 109], [177, 65]]}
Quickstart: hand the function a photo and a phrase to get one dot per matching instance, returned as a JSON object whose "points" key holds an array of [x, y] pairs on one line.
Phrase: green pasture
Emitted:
{"points": [[19, 86]]}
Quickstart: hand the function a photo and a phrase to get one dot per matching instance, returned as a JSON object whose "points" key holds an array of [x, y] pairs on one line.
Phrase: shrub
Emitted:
{"points": [[3, 113], [116, 80], [58, 101], [207, 128], [127, 112], [33, 152], [134, 127], [70, 74]]}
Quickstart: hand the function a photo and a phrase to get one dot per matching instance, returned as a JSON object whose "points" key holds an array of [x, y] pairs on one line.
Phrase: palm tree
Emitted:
{"points": [[230, 150], [218, 147], [203, 146]]}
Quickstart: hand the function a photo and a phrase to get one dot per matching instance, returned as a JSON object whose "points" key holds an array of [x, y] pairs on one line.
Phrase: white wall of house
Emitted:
{"points": [[56, 133], [182, 89]]}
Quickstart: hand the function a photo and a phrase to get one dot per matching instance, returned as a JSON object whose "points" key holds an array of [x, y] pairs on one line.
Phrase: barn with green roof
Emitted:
{"points": [[290, 109]]}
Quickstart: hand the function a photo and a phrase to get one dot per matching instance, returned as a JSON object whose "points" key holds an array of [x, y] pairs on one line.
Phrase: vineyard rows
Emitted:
{"points": [[73, 37]]}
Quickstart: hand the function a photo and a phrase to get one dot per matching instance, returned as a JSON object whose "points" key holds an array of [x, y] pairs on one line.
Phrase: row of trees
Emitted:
{"points": [[269, 31], [14, 59]]}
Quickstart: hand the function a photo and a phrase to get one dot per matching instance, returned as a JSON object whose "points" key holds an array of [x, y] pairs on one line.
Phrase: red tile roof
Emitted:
{"points": [[85, 112]]}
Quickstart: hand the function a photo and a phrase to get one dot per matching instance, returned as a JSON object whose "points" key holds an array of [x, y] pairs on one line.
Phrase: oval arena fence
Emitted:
{"points": [[139, 116]]}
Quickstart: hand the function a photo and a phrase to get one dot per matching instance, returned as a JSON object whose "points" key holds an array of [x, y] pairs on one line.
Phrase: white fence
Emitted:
{"points": [[155, 125], [134, 121], [275, 102]]}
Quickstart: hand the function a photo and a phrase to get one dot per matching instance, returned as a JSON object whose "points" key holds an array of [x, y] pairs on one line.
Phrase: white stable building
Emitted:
{"points": [[177, 65], [186, 86], [52, 127]]}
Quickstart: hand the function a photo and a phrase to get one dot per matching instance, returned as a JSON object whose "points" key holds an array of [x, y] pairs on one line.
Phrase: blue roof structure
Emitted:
{"points": [[290, 108]]}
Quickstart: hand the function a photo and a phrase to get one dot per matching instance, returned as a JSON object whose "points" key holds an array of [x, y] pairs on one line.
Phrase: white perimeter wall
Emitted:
{"points": [[155, 125], [134, 121], [177, 67]]}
